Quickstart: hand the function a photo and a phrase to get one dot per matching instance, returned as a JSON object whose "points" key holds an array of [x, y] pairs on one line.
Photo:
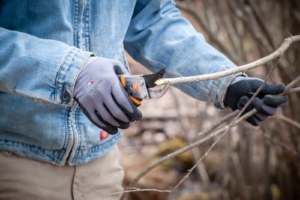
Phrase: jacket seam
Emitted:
{"points": [[87, 35], [76, 13], [59, 71], [77, 130]]}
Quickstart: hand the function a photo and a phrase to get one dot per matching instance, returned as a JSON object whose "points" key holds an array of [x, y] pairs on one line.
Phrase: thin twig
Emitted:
{"points": [[200, 160], [201, 170], [287, 42], [290, 85], [219, 122], [261, 22], [192, 145], [140, 190], [286, 119], [282, 145], [258, 90], [225, 130], [230, 125], [293, 90]]}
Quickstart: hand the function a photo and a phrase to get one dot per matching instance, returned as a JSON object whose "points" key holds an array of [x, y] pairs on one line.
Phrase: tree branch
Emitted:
{"points": [[286, 119], [229, 126], [219, 122], [139, 190], [285, 45]]}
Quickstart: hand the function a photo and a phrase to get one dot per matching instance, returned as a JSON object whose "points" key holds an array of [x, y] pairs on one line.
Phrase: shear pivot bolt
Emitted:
{"points": [[134, 87]]}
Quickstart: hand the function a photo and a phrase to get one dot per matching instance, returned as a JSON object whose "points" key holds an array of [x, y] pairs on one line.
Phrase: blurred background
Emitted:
{"points": [[249, 162]]}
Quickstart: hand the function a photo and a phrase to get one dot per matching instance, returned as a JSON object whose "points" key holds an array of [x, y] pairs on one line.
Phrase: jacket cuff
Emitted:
{"points": [[67, 75], [219, 88]]}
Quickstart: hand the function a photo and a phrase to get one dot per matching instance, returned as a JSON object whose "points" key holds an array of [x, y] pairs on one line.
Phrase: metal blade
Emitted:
{"points": [[151, 78]]}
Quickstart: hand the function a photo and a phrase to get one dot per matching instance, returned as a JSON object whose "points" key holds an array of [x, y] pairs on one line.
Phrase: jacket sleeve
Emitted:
{"points": [[158, 37], [39, 69]]}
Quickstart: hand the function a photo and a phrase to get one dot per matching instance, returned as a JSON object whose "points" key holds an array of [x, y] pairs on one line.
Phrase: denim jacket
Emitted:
{"points": [[43, 46]]}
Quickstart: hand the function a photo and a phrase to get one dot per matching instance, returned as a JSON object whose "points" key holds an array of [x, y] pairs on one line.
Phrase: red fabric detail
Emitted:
{"points": [[103, 135]]}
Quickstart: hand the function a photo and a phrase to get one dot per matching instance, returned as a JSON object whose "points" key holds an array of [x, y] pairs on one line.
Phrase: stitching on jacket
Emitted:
{"points": [[76, 11], [86, 28], [59, 71], [65, 126]]}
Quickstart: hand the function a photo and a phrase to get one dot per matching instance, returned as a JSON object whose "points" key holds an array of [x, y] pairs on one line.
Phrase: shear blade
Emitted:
{"points": [[151, 78]]}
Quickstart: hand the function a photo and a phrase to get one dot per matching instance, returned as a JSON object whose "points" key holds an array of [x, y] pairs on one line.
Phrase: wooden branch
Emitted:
{"points": [[219, 122], [201, 170], [230, 125], [192, 145], [139, 190], [244, 68], [263, 46], [290, 85], [282, 145], [200, 160], [286, 119], [225, 131], [293, 90], [258, 90], [261, 22], [228, 26]]}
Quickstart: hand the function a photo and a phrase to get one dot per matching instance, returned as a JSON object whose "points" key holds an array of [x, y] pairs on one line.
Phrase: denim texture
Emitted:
{"points": [[44, 45]]}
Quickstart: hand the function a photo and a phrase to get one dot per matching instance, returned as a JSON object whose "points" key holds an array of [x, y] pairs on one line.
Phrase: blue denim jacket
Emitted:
{"points": [[43, 46]]}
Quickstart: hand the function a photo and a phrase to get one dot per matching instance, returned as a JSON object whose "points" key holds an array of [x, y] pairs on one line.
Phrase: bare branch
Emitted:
{"points": [[219, 122], [282, 145], [201, 170], [229, 126], [192, 145], [261, 22], [139, 190], [287, 42], [258, 90], [225, 131], [286, 119], [200, 160], [293, 90], [292, 84]]}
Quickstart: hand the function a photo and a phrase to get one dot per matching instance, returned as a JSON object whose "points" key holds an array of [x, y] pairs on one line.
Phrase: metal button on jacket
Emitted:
{"points": [[65, 97]]}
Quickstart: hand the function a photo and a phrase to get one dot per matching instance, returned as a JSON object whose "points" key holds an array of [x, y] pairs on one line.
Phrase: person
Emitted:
{"points": [[62, 105]]}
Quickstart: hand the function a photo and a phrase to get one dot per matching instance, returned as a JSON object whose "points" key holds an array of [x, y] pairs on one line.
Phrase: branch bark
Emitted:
{"points": [[244, 68]]}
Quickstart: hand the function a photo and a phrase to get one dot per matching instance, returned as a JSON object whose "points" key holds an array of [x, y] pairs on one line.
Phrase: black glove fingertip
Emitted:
{"points": [[280, 88], [275, 101], [111, 130], [124, 126]]}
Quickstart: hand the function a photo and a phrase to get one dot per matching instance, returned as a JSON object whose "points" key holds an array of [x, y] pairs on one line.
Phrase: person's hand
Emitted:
{"points": [[241, 90], [101, 96]]}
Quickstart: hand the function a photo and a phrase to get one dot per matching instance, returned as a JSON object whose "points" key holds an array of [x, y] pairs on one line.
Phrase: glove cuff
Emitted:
{"points": [[220, 87]]}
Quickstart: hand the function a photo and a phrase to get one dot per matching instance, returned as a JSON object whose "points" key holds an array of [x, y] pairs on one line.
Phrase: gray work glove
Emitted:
{"points": [[101, 96], [241, 90]]}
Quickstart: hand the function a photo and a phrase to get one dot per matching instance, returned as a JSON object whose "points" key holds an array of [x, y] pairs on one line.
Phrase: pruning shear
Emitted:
{"points": [[141, 87]]}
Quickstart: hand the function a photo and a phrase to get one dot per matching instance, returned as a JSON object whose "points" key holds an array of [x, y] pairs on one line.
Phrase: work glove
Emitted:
{"points": [[266, 102], [99, 93]]}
